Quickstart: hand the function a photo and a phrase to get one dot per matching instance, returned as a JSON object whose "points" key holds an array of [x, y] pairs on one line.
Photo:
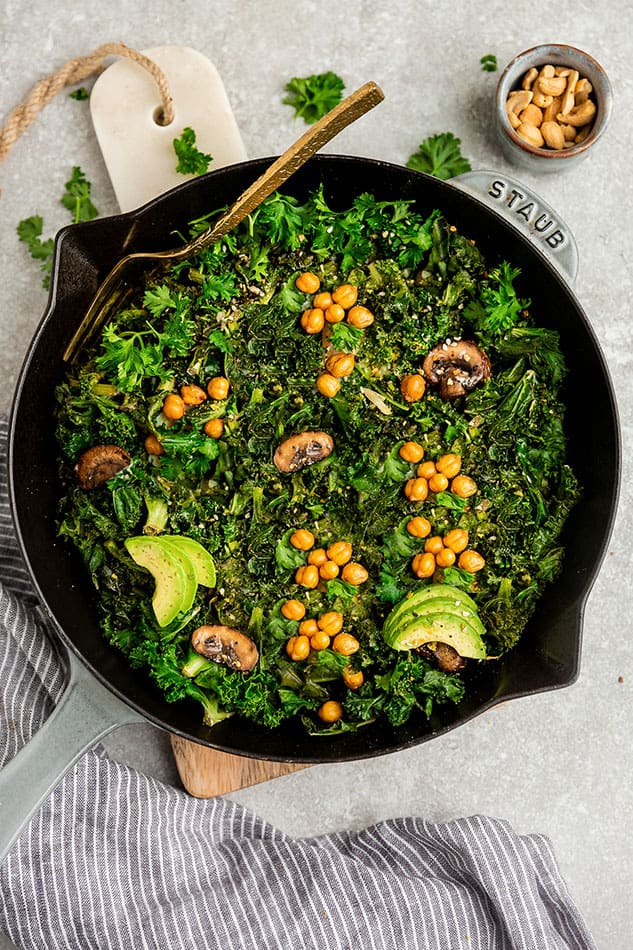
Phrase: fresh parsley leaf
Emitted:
{"points": [[29, 231], [76, 197], [498, 307], [489, 63], [158, 299], [313, 96], [80, 94], [191, 161], [439, 155]]}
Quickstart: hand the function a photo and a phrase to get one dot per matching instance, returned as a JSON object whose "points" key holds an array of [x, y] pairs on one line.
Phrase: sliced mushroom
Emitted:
{"points": [[456, 366], [225, 645], [303, 449], [99, 463], [446, 656]]}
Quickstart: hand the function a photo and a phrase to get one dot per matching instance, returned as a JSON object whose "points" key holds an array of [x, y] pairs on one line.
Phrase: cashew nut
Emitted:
{"points": [[542, 101], [582, 134], [531, 115], [530, 134], [547, 72], [569, 132], [552, 87], [583, 90], [579, 115], [560, 71], [569, 96], [552, 108], [518, 100], [553, 135], [515, 122], [529, 78]]}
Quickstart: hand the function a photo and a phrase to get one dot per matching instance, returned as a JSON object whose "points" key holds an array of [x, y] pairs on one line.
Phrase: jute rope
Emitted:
{"points": [[74, 71]]}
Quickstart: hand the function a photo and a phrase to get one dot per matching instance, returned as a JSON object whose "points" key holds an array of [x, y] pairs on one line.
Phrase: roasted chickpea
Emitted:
{"points": [[471, 561], [302, 539], [319, 640], [307, 576], [318, 557], [192, 395], [298, 648], [340, 552], [419, 527], [417, 489], [345, 644], [340, 364], [438, 482], [360, 317], [449, 465], [334, 313], [312, 321], [345, 295], [293, 610], [331, 622], [214, 428], [445, 557], [330, 711], [322, 301], [423, 565], [433, 545], [328, 385], [352, 679], [456, 540], [354, 573], [329, 570], [427, 469], [218, 387], [173, 407], [307, 282], [308, 628], [412, 387], [152, 445], [411, 452], [463, 486]]}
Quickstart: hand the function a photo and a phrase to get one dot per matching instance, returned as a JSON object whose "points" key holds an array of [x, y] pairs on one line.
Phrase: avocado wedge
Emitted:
{"points": [[201, 561], [175, 580], [437, 613]]}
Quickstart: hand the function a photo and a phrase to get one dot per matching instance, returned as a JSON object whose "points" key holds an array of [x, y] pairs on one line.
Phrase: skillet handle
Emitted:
{"points": [[85, 713], [526, 212]]}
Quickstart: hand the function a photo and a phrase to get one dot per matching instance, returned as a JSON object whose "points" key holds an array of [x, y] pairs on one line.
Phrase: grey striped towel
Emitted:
{"points": [[115, 859]]}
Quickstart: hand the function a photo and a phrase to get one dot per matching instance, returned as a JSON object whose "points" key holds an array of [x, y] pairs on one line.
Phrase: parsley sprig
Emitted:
{"points": [[191, 161], [440, 155], [313, 96]]}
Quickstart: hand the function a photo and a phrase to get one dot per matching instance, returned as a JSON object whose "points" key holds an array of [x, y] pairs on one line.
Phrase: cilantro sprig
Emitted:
{"points": [[191, 161], [489, 63], [440, 155], [313, 96]]}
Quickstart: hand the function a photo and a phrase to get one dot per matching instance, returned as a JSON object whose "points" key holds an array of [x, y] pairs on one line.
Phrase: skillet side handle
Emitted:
{"points": [[85, 713], [528, 213]]}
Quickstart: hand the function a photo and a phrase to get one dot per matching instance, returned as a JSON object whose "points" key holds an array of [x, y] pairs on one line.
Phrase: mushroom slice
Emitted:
{"points": [[303, 449], [225, 645], [456, 366], [446, 656], [99, 463]]}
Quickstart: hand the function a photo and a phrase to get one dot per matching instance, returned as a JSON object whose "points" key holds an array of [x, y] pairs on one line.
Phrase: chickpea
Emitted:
{"points": [[328, 385], [331, 622], [340, 552], [218, 387], [456, 540], [419, 527], [307, 576], [438, 482], [360, 317], [298, 648], [345, 295], [433, 545], [307, 282], [411, 452], [463, 486], [322, 301], [308, 628], [352, 679], [192, 395], [340, 364], [302, 539], [471, 561], [412, 387], [427, 469], [214, 428], [445, 557], [330, 711], [449, 465], [293, 610], [334, 313], [417, 489], [173, 407], [152, 445], [319, 640], [318, 557], [329, 570], [312, 321], [354, 573], [423, 565], [345, 644]]}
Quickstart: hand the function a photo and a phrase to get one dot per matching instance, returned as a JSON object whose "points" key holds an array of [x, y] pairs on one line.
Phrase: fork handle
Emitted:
{"points": [[351, 108]]}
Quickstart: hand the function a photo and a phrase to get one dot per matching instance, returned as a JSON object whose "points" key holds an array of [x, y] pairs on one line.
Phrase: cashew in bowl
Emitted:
{"points": [[552, 109]]}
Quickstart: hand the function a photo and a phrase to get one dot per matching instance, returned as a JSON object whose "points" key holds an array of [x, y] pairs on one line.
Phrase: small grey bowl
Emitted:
{"points": [[529, 156]]}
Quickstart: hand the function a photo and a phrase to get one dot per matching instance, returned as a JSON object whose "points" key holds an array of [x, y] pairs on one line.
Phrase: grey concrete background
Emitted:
{"points": [[558, 763]]}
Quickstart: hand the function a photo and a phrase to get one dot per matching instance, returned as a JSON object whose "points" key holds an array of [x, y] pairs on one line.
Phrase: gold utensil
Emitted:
{"points": [[125, 272]]}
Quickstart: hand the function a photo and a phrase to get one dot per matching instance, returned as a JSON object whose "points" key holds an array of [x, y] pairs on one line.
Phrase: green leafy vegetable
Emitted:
{"points": [[29, 231], [80, 94], [489, 63], [77, 199], [440, 155], [313, 96], [191, 161]]}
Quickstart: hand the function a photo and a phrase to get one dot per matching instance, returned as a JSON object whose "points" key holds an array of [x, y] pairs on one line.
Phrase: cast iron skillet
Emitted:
{"points": [[549, 652]]}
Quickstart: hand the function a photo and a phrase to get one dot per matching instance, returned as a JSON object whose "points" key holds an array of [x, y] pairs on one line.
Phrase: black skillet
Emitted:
{"points": [[103, 691]]}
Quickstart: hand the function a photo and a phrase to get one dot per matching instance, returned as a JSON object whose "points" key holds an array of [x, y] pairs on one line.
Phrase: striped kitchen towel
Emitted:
{"points": [[115, 859]]}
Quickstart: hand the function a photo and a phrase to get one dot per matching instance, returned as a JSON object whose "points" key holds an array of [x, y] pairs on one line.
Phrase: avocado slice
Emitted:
{"points": [[175, 581], [410, 607], [201, 561], [441, 627], [440, 605]]}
